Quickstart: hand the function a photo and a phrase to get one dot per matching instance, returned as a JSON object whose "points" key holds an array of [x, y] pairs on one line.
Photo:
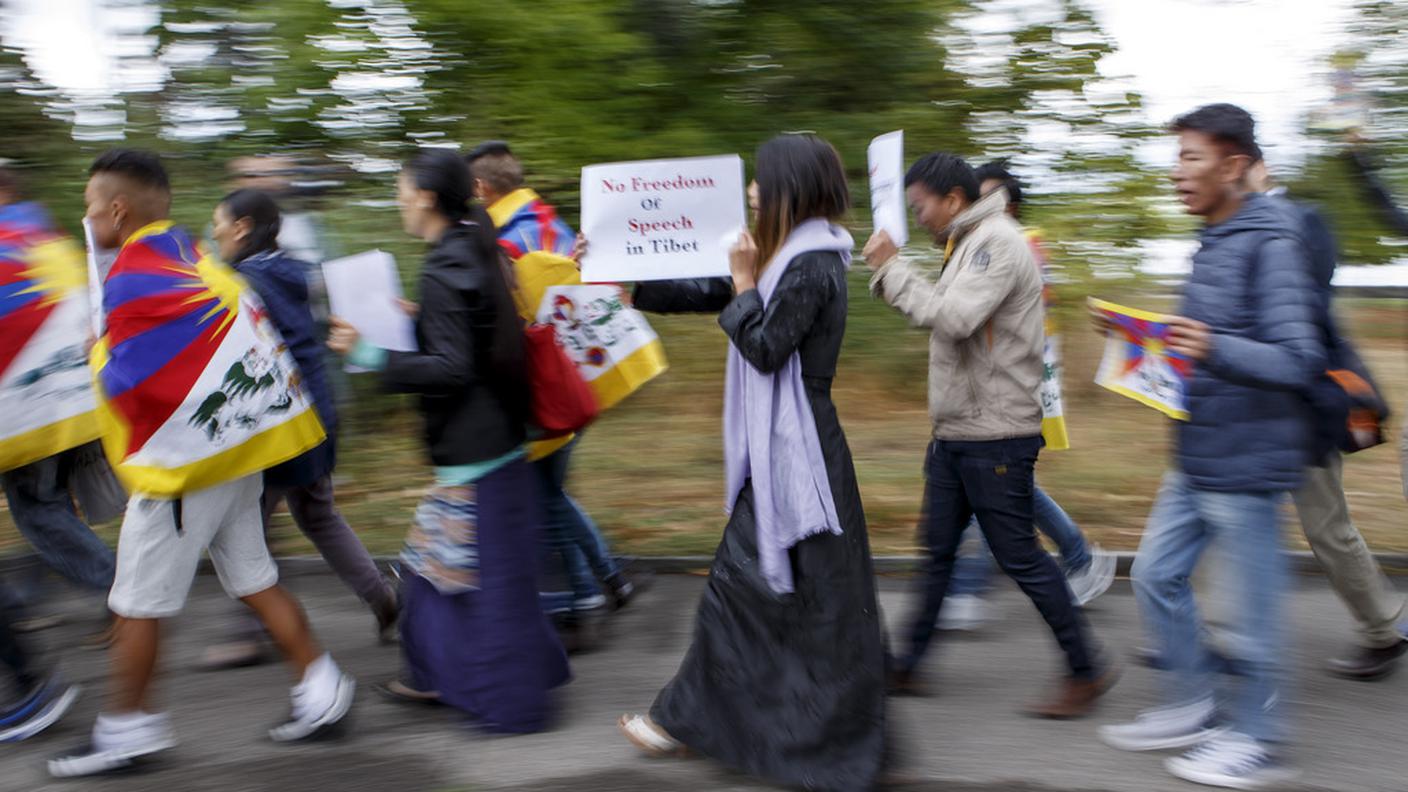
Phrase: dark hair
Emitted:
{"points": [[799, 177], [1226, 123], [444, 172], [263, 213], [142, 167], [500, 170], [940, 172], [997, 171]]}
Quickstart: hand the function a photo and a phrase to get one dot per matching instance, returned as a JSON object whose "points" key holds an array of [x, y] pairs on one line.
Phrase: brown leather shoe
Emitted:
{"points": [[1077, 697], [905, 683]]}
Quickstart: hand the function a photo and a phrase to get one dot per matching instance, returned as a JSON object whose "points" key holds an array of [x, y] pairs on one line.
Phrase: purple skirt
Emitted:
{"points": [[490, 652]]}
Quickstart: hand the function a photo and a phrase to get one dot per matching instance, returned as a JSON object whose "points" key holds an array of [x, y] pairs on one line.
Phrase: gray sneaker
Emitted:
{"points": [[1165, 728], [1095, 579], [1231, 761]]}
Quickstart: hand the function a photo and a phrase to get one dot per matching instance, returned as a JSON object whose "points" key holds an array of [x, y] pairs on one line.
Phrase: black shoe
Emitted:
{"points": [[622, 588], [1367, 664], [388, 613], [42, 708]]}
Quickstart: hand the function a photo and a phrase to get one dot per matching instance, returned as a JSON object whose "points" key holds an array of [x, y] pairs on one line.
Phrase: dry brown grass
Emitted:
{"points": [[651, 470]]}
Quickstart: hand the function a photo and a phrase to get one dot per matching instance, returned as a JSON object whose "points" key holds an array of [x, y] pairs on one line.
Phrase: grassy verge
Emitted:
{"points": [[650, 471]]}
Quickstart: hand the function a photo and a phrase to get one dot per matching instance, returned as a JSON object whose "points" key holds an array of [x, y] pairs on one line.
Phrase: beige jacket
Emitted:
{"points": [[985, 319]]}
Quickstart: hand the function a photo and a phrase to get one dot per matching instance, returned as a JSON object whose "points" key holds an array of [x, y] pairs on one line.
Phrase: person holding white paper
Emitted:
{"points": [[785, 676], [472, 636], [246, 231]]}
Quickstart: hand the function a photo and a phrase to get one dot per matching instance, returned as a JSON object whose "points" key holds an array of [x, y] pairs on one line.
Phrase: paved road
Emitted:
{"points": [[967, 738]]}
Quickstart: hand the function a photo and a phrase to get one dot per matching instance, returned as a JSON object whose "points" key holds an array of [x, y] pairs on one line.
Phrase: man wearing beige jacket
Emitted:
{"points": [[984, 314]]}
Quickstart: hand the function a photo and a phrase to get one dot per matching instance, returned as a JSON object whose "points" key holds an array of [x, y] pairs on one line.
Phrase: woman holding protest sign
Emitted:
{"points": [[785, 676], [471, 631]]}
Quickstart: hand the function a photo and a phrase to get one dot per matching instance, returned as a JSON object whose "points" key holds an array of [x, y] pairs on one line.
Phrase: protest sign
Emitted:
{"points": [[661, 219], [887, 204], [363, 290], [1138, 362]]}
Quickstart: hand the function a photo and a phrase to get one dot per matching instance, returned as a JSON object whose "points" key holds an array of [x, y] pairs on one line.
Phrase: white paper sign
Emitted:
{"points": [[661, 219], [362, 290], [887, 205]]}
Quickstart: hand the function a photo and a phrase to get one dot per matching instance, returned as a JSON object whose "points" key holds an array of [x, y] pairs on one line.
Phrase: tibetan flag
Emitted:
{"points": [[1053, 410], [1138, 362], [615, 349], [47, 403], [195, 386], [526, 223]]}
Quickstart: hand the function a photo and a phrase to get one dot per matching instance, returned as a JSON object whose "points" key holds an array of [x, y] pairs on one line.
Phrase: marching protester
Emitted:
{"points": [[246, 232], [540, 245], [472, 634], [39, 458], [1089, 571], [193, 461], [1380, 611], [984, 315], [1247, 321], [784, 678]]}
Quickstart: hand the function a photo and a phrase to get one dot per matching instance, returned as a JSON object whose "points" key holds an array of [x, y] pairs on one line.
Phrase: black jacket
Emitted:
{"points": [[468, 368]]}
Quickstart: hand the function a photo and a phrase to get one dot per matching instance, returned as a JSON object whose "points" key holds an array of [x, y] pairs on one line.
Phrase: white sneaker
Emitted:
{"points": [[962, 612], [117, 743], [1095, 579], [320, 702], [1232, 761], [1164, 728]]}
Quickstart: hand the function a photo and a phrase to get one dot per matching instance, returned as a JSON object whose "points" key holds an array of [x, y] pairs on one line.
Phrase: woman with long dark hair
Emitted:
{"points": [[472, 634], [245, 228], [785, 676]]}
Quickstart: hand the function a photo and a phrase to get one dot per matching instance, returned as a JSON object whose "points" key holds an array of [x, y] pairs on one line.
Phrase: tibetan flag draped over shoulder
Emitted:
{"points": [[1053, 411], [195, 386], [46, 394], [526, 223]]}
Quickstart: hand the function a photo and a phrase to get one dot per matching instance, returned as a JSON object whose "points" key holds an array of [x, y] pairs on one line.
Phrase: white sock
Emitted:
{"points": [[114, 730]]}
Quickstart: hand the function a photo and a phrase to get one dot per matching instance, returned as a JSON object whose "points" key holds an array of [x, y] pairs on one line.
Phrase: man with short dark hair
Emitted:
{"points": [[984, 315], [1247, 322], [158, 287], [540, 245], [1089, 570]]}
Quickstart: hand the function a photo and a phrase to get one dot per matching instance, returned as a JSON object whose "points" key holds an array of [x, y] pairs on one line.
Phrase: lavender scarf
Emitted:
{"points": [[770, 434]]}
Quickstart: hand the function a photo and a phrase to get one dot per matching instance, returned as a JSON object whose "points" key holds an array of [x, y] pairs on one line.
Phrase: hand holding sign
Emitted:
{"points": [[1144, 361], [661, 219], [887, 205]]}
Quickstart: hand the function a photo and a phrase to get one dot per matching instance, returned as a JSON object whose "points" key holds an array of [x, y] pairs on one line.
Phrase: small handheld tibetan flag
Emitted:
{"points": [[1138, 362]]}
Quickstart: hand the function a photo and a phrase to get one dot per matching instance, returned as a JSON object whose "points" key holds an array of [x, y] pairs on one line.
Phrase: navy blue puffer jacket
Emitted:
{"points": [[1250, 428]]}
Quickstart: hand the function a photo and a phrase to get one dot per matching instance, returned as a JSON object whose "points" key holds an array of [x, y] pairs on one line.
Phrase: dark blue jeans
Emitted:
{"points": [[994, 481], [44, 513], [570, 532], [972, 573]]}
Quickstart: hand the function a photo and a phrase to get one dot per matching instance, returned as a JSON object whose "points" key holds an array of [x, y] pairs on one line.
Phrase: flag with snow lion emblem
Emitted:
{"points": [[46, 393], [1138, 362], [195, 386], [615, 349]]}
